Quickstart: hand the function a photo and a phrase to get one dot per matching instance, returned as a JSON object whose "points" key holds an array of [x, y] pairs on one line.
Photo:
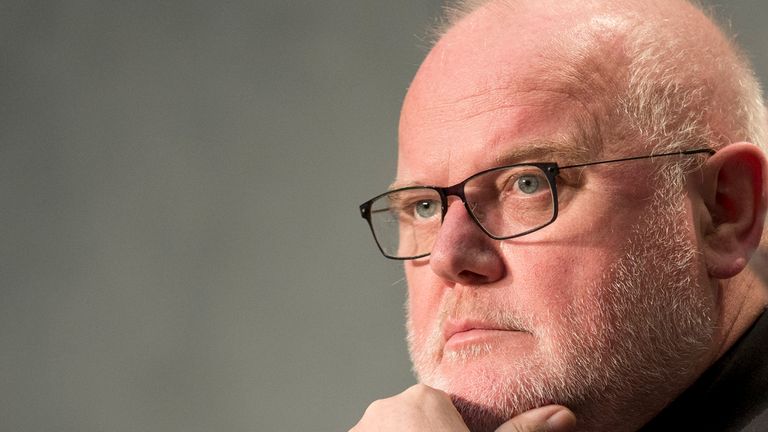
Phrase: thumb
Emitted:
{"points": [[550, 418]]}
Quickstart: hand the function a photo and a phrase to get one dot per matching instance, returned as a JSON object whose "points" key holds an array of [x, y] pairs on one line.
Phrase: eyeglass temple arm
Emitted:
{"points": [[678, 153]]}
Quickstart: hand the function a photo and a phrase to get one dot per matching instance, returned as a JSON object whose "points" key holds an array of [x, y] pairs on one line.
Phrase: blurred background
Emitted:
{"points": [[180, 245]]}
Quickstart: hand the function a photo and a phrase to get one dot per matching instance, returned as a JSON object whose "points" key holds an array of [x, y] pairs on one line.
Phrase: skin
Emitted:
{"points": [[557, 286], [759, 265]]}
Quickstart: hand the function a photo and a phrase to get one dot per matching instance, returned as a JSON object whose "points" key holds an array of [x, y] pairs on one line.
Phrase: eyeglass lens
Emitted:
{"points": [[504, 202]]}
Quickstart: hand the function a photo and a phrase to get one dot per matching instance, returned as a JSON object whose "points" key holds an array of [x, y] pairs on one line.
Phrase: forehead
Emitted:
{"points": [[493, 86]]}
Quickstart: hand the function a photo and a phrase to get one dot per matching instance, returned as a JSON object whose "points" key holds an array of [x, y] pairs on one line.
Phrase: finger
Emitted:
{"points": [[551, 418], [419, 408]]}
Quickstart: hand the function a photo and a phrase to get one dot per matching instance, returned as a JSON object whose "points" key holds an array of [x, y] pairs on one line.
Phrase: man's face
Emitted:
{"points": [[606, 299]]}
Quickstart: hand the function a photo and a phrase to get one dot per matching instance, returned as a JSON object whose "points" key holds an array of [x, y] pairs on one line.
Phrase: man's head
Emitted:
{"points": [[627, 297]]}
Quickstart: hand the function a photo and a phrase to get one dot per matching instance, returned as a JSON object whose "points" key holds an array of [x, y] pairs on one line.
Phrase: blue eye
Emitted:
{"points": [[528, 184], [427, 208]]}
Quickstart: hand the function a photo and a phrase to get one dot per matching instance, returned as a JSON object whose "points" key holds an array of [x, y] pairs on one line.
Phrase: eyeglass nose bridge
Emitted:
{"points": [[457, 190]]}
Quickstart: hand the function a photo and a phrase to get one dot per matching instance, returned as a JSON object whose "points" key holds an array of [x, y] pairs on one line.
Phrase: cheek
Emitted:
{"points": [[424, 296], [567, 261], [551, 277]]}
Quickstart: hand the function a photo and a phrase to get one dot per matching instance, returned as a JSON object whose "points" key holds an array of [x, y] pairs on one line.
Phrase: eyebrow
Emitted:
{"points": [[566, 151]]}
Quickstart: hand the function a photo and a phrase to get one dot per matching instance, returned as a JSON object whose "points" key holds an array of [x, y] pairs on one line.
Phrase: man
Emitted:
{"points": [[569, 280]]}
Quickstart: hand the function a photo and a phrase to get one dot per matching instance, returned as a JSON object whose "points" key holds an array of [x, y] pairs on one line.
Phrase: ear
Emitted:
{"points": [[735, 193]]}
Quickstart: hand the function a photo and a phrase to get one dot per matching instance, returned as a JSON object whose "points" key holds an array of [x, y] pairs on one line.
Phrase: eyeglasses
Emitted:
{"points": [[505, 202]]}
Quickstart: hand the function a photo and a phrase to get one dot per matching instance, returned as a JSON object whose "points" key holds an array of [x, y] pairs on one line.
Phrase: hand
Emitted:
{"points": [[422, 408], [550, 418]]}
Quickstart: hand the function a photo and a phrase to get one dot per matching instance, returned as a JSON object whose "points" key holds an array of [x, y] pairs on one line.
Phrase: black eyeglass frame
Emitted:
{"points": [[550, 169]]}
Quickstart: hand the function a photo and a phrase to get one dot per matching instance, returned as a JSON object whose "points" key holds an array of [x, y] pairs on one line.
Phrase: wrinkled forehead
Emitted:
{"points": [[497, 82], [491, 48]]}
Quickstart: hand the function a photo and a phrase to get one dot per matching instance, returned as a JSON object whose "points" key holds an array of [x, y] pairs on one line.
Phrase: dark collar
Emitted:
{"points": [[729, 394]]}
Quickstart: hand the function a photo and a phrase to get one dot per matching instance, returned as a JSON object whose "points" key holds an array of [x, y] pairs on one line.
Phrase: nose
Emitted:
{"points": [[463, 253]]}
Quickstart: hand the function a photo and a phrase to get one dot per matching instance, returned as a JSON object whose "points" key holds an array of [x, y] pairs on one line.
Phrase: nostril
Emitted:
{"points": [[468, 277]]}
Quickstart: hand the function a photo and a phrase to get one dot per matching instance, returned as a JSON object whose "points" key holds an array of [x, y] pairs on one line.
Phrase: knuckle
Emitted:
{"points": [[417, 389], [421, 391], [427, 398], [376, 406]]}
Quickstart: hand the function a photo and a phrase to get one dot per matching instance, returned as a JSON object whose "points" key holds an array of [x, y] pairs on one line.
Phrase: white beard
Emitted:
{"points": [[653, 327]]}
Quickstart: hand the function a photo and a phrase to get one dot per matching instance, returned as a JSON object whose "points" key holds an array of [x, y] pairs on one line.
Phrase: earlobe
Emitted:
{"points": [[735, 196]]}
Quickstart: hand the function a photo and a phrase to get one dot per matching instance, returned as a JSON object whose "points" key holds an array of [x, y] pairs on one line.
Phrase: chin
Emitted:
{"points": [[491, 384], [487, 395]]}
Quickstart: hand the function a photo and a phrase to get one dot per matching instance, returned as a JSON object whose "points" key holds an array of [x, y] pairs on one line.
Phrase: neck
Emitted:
{"points": [[742, 299]]}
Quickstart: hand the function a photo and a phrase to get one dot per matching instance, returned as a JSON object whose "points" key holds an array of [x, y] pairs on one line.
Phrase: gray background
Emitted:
{"points": [[180, 248]]}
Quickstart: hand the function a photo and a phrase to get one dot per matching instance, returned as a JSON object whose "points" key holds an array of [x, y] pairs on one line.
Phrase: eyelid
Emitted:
{"points": [[418, 195]]}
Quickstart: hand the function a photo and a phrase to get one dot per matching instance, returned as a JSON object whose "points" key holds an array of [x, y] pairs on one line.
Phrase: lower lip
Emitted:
{"points": [[480, 336]]}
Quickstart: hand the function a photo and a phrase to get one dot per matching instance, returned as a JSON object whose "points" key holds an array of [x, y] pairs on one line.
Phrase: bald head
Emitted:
{"points": [[664, 68]]}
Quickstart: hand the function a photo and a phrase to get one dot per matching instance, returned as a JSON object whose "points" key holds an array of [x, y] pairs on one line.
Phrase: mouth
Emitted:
{"points": [[459, 334]]}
